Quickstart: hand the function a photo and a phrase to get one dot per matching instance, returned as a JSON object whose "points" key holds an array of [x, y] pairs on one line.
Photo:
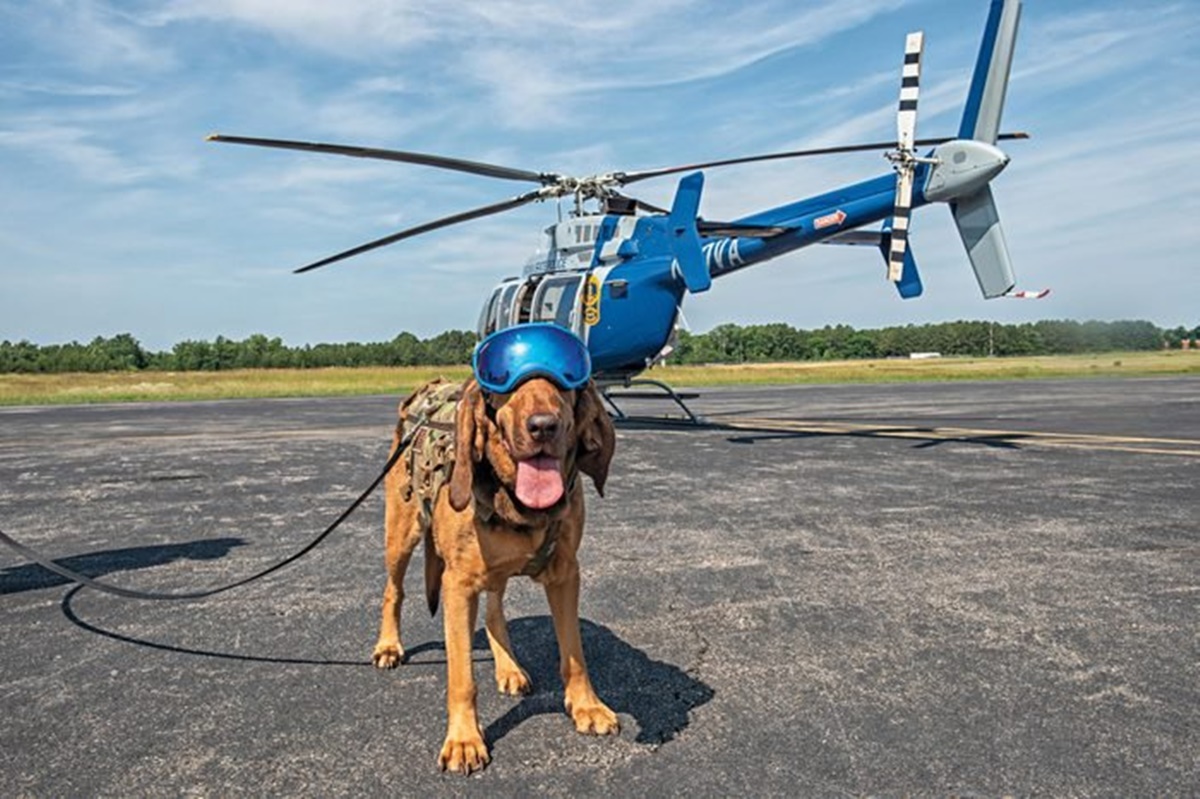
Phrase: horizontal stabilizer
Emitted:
{"points": [[979, 225]]}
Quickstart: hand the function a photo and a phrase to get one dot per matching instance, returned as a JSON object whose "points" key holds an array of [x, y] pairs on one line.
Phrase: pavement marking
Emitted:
{"points": [[1184, 447], [1180, 447]]}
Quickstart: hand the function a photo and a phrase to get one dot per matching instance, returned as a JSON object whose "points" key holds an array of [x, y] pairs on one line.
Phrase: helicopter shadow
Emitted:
{"points": [[33, 577], [924, 437], [658, 695]]}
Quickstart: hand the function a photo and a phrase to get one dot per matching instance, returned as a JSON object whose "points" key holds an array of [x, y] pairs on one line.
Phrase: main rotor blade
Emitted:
{"points": [[440, 161], [446, 221], [735, 230], [645, 174]]}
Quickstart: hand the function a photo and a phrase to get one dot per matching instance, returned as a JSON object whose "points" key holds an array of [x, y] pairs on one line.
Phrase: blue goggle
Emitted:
{"points": [[511, 356]]}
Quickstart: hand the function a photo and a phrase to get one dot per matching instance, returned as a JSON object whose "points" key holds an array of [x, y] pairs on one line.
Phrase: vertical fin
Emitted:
{"points": [[908, 282], [685, 239], [985, 100]]}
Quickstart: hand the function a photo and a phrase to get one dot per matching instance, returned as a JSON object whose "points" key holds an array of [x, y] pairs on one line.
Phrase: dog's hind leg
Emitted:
{"points": [[587, 711], [403, 535], [511, 679]]}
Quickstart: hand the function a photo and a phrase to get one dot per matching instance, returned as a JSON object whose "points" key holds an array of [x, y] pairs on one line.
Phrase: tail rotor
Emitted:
{"points": [[904, 160]]}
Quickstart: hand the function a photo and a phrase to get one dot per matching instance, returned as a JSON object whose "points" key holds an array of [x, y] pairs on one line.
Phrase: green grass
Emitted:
{"points": [[78, 388], [254, 383], [898, 370]]}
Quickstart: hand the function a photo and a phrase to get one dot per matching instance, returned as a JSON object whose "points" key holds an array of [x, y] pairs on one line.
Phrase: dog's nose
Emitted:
{"points": [[542, 426]]}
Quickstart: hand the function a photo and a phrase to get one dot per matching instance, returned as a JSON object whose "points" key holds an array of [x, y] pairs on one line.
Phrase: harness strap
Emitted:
{"points": [[537, 564]]}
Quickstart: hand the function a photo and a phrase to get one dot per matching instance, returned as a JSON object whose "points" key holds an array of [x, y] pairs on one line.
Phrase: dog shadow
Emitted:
{"points": [[32, 577], [659, 696]]}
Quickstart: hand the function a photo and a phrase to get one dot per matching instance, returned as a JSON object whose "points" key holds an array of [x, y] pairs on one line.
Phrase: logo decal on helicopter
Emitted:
{"points": [[722, 254], [829, 220], [591, 300]]}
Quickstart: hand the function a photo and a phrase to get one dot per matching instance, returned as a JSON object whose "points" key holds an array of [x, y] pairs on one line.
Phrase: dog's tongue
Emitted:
{"points": [[539, 484]]}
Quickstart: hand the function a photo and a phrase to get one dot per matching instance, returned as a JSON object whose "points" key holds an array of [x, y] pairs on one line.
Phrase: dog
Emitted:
{"points": [[494, 493]]}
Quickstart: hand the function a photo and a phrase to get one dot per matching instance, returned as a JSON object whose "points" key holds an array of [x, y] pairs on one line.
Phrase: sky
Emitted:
{"points": [[116, 216]]}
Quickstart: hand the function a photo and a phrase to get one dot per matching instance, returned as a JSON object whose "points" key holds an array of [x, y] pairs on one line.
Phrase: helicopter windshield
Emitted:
{"points": [[504, 315], [552, 299], [487, 317]]}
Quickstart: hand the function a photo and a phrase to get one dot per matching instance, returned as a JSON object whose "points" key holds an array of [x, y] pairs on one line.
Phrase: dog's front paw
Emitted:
{"points": [[513, 681], [463, 755], [595, 719], [387, 656]]}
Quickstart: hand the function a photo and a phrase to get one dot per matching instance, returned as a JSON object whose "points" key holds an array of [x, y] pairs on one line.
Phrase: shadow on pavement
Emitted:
{"points": [[32, 577], [758, 430], [68, 611], [659, 696]]}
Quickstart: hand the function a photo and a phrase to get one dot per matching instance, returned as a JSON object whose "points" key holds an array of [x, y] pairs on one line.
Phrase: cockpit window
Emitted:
{"points": [[555, 300], [504, 316], [487, 317]]}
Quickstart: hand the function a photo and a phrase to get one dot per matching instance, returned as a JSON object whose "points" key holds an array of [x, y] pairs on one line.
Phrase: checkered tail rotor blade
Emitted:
{"points": [[905, 160]]}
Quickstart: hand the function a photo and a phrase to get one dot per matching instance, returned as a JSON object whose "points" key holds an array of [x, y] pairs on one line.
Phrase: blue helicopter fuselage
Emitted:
{"points": [[623, 290], [619, 281]]}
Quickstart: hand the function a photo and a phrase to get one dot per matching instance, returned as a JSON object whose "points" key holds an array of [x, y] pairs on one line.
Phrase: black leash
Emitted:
{"points": [[83, 579]]}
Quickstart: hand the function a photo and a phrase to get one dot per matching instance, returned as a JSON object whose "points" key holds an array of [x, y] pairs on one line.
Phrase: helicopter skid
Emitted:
{"points": [[667, 393]]}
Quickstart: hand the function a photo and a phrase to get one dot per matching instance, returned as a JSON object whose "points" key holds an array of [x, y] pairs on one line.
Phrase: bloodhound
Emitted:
{"points": [[495, 494]]}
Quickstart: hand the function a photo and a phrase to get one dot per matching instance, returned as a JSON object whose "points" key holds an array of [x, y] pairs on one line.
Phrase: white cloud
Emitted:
{"points": [[106, 141], [75, 148], [350, 30], [87, 34]]}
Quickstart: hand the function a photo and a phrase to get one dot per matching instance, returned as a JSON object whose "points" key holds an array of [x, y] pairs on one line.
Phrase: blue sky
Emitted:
{"points": [[116, 215]]}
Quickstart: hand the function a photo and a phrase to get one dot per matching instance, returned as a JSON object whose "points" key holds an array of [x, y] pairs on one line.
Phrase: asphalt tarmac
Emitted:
{"points": [[969, 589]]}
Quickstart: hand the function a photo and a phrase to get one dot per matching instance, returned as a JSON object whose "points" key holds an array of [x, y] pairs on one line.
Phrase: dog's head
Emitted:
{"points": [[534, 440]]}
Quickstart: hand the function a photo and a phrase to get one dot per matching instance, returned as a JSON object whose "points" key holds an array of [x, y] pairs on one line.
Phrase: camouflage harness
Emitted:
{"points": [[429, 418]]}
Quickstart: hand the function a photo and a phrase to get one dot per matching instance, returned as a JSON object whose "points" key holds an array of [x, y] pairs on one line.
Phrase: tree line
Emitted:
{"points": [[780, 342], [124, 353], [727, 343]]}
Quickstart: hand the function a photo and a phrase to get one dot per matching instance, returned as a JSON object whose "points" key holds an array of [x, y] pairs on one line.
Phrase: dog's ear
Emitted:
{"points": [[469, 436], [596, 438]]}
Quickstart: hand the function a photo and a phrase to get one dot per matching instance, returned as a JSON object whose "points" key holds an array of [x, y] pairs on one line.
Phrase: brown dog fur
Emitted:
{"points": [[469, 550]]}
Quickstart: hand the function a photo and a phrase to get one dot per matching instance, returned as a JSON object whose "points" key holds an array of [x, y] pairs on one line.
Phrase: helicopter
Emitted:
{"points": [[617, 274]]}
